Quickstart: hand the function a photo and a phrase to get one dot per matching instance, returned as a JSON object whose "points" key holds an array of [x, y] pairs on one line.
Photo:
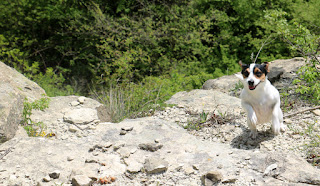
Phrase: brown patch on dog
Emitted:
{"points": [[259, 74]]}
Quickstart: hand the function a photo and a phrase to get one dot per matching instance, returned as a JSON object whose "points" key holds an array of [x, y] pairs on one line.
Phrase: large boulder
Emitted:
{"points": [[198, 101], [14, 88]]}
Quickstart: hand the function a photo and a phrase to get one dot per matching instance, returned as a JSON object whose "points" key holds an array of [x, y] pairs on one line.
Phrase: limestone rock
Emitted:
{"points": [[198, 101], [81, 180], [316, 112], [211, 178], [155, 165], [150, 146], [55, 174], [14, 88], [80, 116]]}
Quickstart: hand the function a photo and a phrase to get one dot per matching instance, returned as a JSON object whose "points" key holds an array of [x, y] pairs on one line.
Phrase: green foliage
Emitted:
{"points": [[69, 46], [34, 128]]}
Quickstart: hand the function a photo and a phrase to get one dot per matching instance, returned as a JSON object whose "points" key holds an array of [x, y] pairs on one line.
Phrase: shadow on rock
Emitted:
{"points": [[244, 141]]}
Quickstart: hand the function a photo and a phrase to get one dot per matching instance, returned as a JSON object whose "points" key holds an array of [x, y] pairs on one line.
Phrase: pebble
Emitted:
{"points": [[73, 129], [81, 180], [269, 169], [55, 174], [316, 112], [155, 165], [212, 176], [81, 99], [46, 179], [74, 103]]}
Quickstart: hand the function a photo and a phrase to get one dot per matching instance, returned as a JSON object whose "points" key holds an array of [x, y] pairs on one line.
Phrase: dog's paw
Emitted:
{"points": [[283, 128], [253, 134]]}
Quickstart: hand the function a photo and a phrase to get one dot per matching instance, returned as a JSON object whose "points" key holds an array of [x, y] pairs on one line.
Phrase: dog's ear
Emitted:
{"points": [[266, 66], [243, 66]]}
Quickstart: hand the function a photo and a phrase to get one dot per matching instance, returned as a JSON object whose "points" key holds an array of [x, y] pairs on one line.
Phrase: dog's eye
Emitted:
{"points": [[246, 73], [258, 74]]}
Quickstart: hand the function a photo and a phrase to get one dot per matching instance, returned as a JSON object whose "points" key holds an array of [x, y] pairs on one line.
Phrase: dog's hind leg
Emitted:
{"points": [[282, 126], [277, 120]]}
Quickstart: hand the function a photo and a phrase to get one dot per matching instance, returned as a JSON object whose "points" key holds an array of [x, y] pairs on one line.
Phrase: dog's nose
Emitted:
{"points": [[250, 82]]}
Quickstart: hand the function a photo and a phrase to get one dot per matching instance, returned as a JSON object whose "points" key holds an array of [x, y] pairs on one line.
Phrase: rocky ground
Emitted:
{"points": [[203, 140]]}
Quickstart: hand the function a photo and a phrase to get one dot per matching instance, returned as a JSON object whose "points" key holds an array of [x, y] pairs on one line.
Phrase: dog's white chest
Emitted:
{"points": [[263, 110]]}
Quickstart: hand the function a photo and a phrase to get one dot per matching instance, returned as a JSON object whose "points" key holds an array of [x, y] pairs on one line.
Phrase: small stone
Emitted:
{"points": [[269, 169], [156, 140], [247, 158], [134, 167], [229, 180], [127, 129], [81, 99], [55, 174], [118, 145], [74, 103], [81, 180], [211, 178], [150, 146], [287, 120], [69, 158], [189, 170], [46, 179], [195, 167], [73, 129], [155, 165], [316, 112], [123, 132]]}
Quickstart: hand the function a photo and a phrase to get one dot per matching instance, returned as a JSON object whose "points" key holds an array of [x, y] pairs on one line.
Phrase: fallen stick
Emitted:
{"points": [[302, 111]]}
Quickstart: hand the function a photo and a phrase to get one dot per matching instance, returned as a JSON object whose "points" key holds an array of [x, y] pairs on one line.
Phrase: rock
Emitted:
{"points": [[81, 180], [81, 99], [269, 169], [127, 129], [155, 165], [46, 179], [229, 180], [134, 166], [316, 112], [223, 84], [123, 132], [80, 116], [211, 178], [199, 101], [150, 146], [14, 88], [55, 174], [74, 103], [73, 129]]}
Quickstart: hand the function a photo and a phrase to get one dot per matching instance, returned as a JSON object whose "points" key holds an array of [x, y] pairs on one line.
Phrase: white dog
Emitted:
{"points": [[259, 98]]}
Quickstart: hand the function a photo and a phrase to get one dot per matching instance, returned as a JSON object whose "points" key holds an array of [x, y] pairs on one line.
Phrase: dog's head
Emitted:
{"points": [[254, 74]]}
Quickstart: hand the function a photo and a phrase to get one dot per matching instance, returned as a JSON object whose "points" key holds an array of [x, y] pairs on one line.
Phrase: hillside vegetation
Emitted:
{"points": [[131, 53]]}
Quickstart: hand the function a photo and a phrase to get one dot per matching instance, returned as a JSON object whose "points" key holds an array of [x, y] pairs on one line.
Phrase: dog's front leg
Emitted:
{"points": [[251, 119]]}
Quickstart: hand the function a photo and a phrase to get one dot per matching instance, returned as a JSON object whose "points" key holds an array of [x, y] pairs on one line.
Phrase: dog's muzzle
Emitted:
{"points": [[251, 85]]}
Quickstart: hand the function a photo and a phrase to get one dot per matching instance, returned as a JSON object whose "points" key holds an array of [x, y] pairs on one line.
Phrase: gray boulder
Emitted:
{"points": [[197, 101], [14, 88]]}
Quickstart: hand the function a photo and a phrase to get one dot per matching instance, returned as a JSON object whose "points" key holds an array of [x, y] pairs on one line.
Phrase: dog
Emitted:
{"points": [[259, 98]]}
